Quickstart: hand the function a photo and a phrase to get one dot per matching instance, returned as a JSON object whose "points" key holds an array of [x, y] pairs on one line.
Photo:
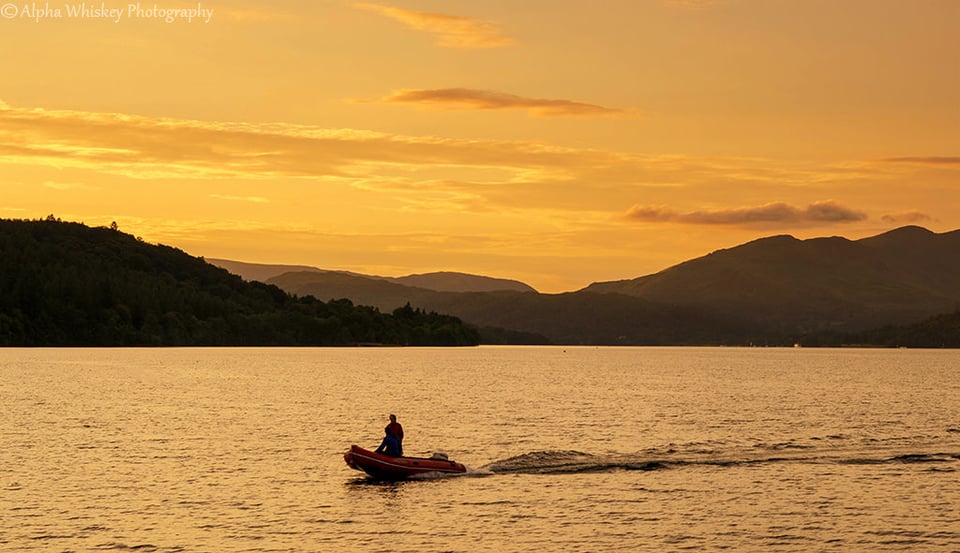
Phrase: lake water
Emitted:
{"points": [[569, 449]]}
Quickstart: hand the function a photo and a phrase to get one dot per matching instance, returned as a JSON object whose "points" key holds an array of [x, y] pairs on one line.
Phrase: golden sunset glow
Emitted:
{"points": [[557, 143]]}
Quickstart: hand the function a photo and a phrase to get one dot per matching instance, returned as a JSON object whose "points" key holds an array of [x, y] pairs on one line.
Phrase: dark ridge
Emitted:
{"points": [[66, 284], [776, 291]]}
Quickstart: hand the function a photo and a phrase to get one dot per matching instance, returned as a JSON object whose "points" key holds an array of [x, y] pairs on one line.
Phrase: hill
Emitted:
{"points": [[443, 281], [940, 331], [800, 286], [446, 281], [573, 318], [259, 271], [66, 284], [495, 327], [774, 291]]}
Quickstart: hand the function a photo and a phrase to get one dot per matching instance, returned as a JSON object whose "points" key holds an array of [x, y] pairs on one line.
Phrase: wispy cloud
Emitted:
{"points": [[925, 160], [419, 172], [468, 98], [776, 212], [147, 147], [452, 31], [906, 218]]}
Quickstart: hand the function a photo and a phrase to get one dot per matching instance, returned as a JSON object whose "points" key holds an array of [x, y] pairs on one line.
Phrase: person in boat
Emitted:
{"points": [[397, 430], [390, 445]]}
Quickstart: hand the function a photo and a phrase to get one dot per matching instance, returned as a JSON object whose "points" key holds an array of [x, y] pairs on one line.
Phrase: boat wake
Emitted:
{"points": [[572, 462], [559, 462]]}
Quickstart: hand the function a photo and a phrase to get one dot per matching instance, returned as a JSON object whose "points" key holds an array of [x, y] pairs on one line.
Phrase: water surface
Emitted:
{"points": [[569, 449]]}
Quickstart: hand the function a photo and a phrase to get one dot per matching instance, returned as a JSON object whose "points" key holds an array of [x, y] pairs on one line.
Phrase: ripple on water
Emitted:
{"points": [[707, 449]]}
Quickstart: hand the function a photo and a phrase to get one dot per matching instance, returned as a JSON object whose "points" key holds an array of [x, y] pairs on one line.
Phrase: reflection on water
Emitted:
{"points": [[569, 449]]}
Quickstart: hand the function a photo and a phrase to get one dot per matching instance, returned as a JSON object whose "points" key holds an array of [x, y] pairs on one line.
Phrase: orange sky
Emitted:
{"points": [[558, 143]]}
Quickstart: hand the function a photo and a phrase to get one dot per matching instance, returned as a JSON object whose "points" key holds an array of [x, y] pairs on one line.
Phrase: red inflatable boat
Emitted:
{"points": [[398, 468]]}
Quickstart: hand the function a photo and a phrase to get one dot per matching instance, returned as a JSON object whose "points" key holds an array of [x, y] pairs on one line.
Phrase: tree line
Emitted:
{"points": [[67, 284], [939, 331]]}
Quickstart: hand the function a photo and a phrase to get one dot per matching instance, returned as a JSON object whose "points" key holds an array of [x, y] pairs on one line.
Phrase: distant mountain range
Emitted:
{"points": [[774, 290], [439, 281]]}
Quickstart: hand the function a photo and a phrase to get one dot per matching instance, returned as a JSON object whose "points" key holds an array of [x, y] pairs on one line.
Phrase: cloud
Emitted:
{"points": [[925, 160], [831, 212], [776, 212], [152, 147], [651, 213], [468, 98], [452, 31], [906, 217], [456, 174], [148, 147]]}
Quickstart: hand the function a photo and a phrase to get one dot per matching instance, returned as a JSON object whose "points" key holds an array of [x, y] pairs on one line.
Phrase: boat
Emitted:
{"points": [[384, 467]]}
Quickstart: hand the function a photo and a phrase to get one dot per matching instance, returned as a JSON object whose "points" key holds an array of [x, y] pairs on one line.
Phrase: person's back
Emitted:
{"points": [[390, 446]]}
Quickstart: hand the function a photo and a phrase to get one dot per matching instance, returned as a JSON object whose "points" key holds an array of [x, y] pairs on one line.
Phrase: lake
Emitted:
{"points": [[569, 449]]}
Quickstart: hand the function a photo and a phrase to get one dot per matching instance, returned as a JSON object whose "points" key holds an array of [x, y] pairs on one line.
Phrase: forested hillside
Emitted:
{"points": [[940, 331], [66, 284]]}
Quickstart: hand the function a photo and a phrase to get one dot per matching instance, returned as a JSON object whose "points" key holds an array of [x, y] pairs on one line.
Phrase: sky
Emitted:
{"points": [[554, 142]]}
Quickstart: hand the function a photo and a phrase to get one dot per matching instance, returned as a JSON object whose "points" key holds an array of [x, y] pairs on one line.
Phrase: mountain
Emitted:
{"points": [[572, 318], [460, 282], [774, 290], [364, 290], [387, 295], [66, 284], [257, 271], [444, 281], [792, 285]]}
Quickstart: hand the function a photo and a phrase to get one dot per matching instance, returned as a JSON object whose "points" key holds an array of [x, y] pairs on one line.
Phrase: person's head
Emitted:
{"points": [[393, 418]]}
